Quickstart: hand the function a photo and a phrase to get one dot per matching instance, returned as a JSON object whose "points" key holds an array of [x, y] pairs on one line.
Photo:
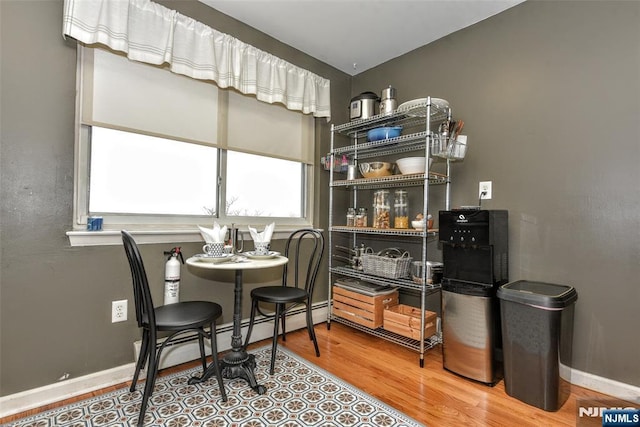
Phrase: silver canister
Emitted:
{"points": [[388, 102], [352, 171]]}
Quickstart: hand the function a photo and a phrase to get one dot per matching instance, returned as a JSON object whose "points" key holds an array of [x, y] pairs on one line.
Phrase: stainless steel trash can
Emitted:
{"points": [[537, 336]]}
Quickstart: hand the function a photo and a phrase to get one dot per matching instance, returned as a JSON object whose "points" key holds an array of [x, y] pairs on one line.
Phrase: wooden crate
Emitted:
{"points": [[405, 320], [362, 309]]}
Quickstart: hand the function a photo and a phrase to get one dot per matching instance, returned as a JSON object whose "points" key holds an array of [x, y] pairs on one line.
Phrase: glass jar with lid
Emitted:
{"points": [[400, 209], [381, 209], [351, 217], [361, 217]]}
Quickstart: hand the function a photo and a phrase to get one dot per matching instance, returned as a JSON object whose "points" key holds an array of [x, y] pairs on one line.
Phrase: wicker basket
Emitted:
{"points": [[391, 263]]}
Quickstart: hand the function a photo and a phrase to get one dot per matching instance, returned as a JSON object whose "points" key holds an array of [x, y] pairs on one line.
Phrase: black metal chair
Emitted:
{"points": [[176, 319], [304, 248]]}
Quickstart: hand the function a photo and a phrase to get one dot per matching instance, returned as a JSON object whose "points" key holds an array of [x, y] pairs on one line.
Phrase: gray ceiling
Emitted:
{"points": [[355, 35]]}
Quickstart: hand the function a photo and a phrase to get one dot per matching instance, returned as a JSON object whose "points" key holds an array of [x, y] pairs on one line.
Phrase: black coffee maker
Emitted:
{"points": [[476, 264]]}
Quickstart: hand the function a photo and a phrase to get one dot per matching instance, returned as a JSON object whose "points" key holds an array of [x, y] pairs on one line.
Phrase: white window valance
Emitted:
{"points": [[151, 33]]}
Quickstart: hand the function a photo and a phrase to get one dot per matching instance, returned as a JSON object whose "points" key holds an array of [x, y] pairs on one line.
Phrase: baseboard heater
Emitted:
{"points": [[186, 349]]}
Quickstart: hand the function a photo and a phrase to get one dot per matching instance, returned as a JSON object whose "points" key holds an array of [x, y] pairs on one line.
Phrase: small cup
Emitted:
{"points": [[261, 248], [214, 249]]}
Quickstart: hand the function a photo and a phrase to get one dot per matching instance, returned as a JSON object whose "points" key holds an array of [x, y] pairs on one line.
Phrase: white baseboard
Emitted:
{"points": [[34, 398], [66, 389], [62, 390], [613, 388]]}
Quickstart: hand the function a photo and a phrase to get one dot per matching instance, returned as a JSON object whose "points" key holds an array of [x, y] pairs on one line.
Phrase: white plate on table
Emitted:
{"points": [[253, 255], [213, 259], [418, 107]]}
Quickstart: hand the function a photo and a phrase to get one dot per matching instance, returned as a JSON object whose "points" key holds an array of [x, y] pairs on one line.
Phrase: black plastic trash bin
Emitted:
{"points": [[537, 336]]}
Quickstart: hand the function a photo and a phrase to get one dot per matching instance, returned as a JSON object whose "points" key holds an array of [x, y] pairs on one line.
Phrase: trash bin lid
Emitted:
{"points": [[541, 294], [466, 288]]}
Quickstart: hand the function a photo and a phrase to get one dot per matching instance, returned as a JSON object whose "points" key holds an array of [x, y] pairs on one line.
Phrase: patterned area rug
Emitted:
{"points": [[298, 394]]}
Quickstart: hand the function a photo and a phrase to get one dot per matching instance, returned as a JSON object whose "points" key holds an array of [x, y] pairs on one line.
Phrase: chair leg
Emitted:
{"points": [[274, 345], [152, 369], [142, 358], [312, 332], [203, 356], [214, 360], [283, 316], [254, 308]]}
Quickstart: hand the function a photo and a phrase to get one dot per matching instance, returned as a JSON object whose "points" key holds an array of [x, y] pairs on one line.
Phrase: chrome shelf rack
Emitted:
{"points": [[418, 124]]}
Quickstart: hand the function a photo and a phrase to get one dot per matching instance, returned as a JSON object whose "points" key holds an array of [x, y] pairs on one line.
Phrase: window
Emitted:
{"points": [[161, 151], [138, 174], [271, 188], [132, 174]]}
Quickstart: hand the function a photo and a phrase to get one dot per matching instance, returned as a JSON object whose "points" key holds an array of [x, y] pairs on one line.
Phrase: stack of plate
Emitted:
{"points": [[418, 107]]}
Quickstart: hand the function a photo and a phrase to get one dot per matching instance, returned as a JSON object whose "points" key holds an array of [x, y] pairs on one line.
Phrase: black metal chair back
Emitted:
{"points": [[145, 313], [305, 249]]}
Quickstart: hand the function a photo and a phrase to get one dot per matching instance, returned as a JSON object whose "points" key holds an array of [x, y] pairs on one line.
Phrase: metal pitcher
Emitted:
{"points": [[388, 101], [236, 239]]}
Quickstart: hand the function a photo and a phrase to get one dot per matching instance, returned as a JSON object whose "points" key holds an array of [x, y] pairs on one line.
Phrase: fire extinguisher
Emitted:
{"points": [[172, 276]]}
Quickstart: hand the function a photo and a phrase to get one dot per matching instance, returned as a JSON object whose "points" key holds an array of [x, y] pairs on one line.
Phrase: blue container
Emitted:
{"points": [[94, 223], [386, 132]]}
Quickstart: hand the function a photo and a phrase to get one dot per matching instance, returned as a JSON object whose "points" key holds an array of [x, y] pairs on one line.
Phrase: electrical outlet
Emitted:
{"points": [[484, 190], [118, 311]]}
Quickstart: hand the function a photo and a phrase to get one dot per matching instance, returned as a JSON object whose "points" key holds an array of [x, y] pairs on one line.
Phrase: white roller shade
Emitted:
{"points": [[269, 129], [123, 94]]}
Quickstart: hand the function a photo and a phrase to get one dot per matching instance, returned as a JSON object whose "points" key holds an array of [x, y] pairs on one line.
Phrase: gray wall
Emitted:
{"points": [[55, 315], [550, 94]]}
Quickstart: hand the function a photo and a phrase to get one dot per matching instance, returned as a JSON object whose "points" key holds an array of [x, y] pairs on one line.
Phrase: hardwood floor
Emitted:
{"points": [[392, 374], [431, 395]]}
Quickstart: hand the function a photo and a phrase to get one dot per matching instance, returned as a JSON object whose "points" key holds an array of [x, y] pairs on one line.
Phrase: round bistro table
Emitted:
{"points": [[237, 363]]}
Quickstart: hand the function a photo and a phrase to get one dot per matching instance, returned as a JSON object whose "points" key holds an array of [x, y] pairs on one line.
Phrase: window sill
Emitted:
{"points": [[113, 237]]}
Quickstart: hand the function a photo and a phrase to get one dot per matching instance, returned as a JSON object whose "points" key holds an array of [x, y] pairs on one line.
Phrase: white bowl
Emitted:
{"points": [[412, 164], [418, 224]]}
